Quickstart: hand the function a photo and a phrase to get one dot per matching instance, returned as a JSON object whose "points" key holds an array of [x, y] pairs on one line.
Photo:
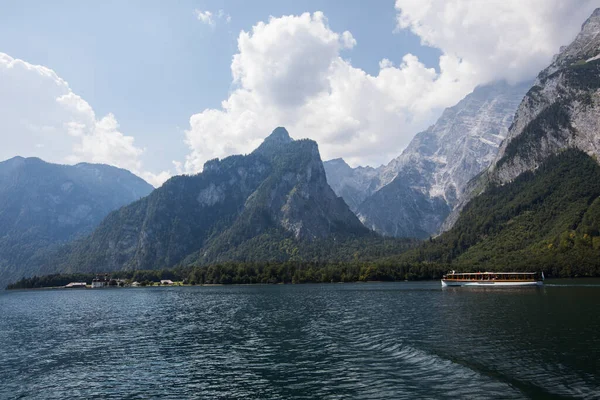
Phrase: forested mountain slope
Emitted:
{"points": [[44, 204], [265, 205], [548, 219]]}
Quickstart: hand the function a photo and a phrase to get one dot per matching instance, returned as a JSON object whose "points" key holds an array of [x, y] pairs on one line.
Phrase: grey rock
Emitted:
{"points": [[354, 185], [571, 85], [560, 111], [279, 188], [413, 194]]}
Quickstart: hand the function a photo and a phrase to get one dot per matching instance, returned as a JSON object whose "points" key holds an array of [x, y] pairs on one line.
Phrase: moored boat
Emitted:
{"points": [[492, 279]]}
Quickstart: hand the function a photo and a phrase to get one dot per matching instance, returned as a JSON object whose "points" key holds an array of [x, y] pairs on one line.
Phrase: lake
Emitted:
{"points": [[337, 341]]}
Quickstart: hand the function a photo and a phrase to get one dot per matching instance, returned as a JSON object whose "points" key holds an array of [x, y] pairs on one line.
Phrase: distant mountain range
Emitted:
{"points": [[510, 173], [415, 192], [264, 205], [43, 204]]}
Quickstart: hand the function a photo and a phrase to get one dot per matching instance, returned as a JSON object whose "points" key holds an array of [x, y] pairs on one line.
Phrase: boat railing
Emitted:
{"points": [[493, 276]]}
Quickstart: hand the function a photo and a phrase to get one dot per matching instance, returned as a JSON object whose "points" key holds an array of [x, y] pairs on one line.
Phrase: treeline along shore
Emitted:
{"points": [[293, 273]]}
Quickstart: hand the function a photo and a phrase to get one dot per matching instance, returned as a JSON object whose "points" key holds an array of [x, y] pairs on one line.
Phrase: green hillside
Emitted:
{"points": [[544, 220], [271, 205]]}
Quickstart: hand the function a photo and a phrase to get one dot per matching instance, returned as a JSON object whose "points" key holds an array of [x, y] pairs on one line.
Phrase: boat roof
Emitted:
{"points": [[496, 273]]}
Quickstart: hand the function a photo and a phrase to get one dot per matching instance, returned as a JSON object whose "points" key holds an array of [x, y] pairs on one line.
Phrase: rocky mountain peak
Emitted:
{"points": [[592, 24], [352, 184], [273, 143], [276, 194], [412, 195], [279, 135], [584, 48], [561, 111], [338, 162]]}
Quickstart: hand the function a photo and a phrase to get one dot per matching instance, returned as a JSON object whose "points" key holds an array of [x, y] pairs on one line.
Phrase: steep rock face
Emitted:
{"points": [[414, 193], [280, 187], [400, 210], [584, 47], [463, 141], [298, 196], [561, 110], [543, 220], [43, 204], [354, 185]]}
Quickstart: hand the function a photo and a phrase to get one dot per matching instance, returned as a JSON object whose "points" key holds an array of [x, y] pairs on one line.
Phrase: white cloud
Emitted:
{"points": [[205, 17], [290, 72], [208, 18], [42, 117], [348, 40], [223, 15], [496, 39]]}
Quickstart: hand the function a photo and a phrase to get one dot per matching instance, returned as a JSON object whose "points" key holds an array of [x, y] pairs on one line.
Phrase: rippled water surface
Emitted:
{"points": [[376, 340]]}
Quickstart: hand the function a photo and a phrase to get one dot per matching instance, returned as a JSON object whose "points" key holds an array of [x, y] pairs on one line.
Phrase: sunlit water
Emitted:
{"points": [[377, 341]]}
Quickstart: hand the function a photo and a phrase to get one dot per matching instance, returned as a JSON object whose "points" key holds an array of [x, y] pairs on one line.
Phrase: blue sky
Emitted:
{"points": [[154, 64]]}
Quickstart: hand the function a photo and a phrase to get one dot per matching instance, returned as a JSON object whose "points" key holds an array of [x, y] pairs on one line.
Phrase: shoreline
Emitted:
{"points": [[88, 287], [578, 281]]}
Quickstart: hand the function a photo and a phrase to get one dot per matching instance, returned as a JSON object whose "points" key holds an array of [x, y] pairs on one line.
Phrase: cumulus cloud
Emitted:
{"points": [[290, 71], [496, 39], [42, 117]]}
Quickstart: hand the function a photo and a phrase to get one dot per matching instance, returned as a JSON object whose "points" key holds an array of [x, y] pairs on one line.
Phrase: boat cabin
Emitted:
{"points": [[493, 276]]}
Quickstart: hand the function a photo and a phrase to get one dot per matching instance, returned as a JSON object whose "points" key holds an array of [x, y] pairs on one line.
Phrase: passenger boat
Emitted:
{"points": [[492, 279]]}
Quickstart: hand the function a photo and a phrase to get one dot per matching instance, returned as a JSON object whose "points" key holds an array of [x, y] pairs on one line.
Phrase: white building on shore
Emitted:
{"points": [[76, 285], [100, 281]]}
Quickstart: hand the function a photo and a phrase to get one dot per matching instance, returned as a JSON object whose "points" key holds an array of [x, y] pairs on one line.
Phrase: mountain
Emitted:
{"points": [[268, 202], [538, 205], [414, 193], [560, 111], [43, 204], [354, 185], [547, 219]]}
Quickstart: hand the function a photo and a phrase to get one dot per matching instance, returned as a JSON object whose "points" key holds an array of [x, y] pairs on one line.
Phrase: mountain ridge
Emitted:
{"points": [[414, 193], [538, 204], [560, 111], [567, 90], [44, 204], [277, 191]]}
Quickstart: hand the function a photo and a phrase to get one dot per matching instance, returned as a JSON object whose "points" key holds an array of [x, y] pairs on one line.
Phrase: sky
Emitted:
{"points": [[160, 87]]}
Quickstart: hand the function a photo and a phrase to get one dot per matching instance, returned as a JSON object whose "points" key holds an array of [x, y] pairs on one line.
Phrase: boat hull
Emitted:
{"points": [[447, 283]]}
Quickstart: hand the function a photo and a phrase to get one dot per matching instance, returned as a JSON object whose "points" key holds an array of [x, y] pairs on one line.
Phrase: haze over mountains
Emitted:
{"points": [[511, 172], [43, 204], [278, 192]]}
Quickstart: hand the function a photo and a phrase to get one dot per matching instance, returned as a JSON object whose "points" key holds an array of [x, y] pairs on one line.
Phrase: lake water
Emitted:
{"points": [[372, 341]]}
